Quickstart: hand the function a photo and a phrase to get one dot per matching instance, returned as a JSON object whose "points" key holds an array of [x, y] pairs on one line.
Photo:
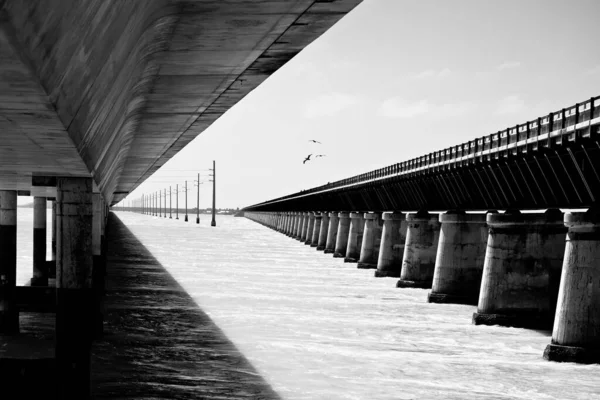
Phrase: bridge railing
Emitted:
{"points": [[566, 125]]}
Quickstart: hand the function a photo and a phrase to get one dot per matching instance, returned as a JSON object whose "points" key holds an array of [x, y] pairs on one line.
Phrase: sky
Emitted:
{"points": [[391, 81]]}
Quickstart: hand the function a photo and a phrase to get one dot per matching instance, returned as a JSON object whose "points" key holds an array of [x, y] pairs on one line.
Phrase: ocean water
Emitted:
{"points": [[318, 328], [25, 243]]}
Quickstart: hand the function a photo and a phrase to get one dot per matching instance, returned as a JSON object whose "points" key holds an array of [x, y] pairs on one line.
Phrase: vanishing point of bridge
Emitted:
{"points": [[523, 269]]}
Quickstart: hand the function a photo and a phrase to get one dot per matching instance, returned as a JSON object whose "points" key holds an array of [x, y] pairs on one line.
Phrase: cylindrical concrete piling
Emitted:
{"points": [[420, 250], [341, 241], [316, 230], [297, 225], [310, 229], [289, 224], [355, 236], [323, 231], [74, 295], [576, 333], [334, 221], [40, 267], [305, 222], [459, 260], [521, 272], [369, 252], [9, 313], [52, 262], [391, 250]]}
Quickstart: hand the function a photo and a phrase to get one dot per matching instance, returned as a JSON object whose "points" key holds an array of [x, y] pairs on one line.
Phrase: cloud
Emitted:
{"points": [[430, 73], [396, 107], [594, 70], [330, 104], [508, 65], [510, 105]]}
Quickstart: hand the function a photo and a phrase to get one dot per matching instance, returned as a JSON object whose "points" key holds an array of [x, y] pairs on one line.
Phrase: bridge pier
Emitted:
{"points": [[9, 313], [290, 224], [299, 219], [52, 262], [323, 231], [521, 273], [576, 332], [305, 223], [341, 241], [420, 250], [74, 297], [316, 229], [40, 267], [332, 233], [459, 259], [310, 228], [369, 252], [355, 237], [391, 249]]}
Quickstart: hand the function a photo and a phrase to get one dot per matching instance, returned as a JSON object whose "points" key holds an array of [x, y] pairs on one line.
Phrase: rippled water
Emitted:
{"points": [[317, 328]]}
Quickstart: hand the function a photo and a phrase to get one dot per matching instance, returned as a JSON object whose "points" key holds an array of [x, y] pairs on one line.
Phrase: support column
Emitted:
{"points": [[310, 229], [332, 233], [40, 267], [369, 251], [341, 241], [299, 218], [521, 272], [99, 265], [52, 263], [74, 297], [576, 333], [391, 250], [304, 228], [9, 314], [316, 229], [323, 231], [418, 263], [459, 260], [355, 236]]}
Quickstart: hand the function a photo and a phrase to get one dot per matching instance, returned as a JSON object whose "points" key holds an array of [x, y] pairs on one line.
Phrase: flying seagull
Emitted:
{"points": [[306, 159], [311, 140], [320, 155]]}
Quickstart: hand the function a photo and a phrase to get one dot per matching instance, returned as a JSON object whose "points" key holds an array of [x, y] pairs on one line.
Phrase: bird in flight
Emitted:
{"points": [[320, 155], [314, 141], [306, 159]]}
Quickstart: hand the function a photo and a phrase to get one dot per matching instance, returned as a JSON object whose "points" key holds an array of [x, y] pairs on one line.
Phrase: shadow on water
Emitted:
{"points": [[158, 343]]}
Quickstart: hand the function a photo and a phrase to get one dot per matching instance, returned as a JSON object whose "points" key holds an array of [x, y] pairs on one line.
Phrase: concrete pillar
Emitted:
{"points": [[310, 228], [576, 333], [74, 297], [316, 229], [332, 233], [459, 260], [305, 221], [521, 272], [288, 222], [298, 226], [52, 263], [323, 231], [99, 265], [9, 314], [391, 250], [418, 262], [40, 268], [369, 251], [355, 236], [341, 241]]}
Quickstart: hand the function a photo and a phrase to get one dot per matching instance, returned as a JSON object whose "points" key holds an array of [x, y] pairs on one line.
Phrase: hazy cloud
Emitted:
{"points": [[510, 104], [396, 107], [431, 73], [508, 65], [330, 104], [593, 71]]}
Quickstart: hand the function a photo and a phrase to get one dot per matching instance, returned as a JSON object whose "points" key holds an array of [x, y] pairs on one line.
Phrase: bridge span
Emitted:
{"points": [[95, 96], [433, 223]]}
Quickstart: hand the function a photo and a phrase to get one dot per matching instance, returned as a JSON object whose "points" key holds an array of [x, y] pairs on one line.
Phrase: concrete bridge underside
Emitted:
{"points": [[113, 89]]}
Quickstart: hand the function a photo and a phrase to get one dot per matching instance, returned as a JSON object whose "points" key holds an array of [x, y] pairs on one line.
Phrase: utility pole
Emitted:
{"points": [[170, 203], [186, 217], [165, 189], [159, 203], [198, 202], [177, 201], [214, 180]]}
